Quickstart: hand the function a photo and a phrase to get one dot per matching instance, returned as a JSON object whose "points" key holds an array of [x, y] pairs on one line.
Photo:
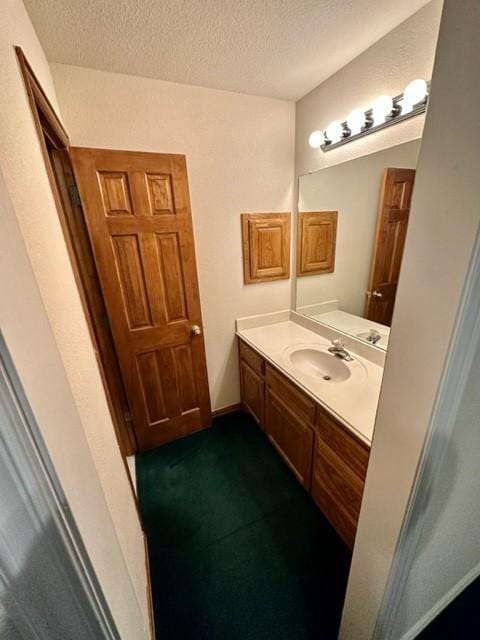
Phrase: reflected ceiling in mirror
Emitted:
{"points": [[371, 196]]}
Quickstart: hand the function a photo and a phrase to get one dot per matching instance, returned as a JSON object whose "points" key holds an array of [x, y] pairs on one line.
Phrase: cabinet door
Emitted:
{"points": [[252, 387], [291, 436], [337, 490]]}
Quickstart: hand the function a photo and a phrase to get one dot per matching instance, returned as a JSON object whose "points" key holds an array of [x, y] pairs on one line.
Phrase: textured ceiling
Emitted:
{"points": [[276, 48]]}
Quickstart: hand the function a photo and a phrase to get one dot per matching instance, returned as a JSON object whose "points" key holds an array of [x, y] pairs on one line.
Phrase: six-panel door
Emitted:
{"points": [[138, 216], [392, 222]]}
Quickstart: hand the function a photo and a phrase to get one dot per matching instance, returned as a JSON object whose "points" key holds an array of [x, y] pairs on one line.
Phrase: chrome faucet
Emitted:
{"points": [[338, 350], [373, 337]]}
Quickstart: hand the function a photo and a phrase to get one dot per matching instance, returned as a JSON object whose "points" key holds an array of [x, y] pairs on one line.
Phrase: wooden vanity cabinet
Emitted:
{"points": [[326, 457]]}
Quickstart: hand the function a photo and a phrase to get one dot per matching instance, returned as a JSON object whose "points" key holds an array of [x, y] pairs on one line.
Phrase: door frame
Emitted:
{"points": [[52, 135]]}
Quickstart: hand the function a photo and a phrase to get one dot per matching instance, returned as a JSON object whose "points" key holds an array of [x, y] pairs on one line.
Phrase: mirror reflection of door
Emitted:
{"points": [[392, 221]]}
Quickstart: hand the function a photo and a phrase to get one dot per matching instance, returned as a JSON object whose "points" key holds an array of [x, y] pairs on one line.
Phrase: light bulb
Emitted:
{"points": [[355, 121], [316, 139], [415, 92], [381, 108], [406, 106], [334, 131]]}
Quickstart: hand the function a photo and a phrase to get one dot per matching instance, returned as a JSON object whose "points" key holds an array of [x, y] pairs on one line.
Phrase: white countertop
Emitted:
{"points": [[353, 402]]}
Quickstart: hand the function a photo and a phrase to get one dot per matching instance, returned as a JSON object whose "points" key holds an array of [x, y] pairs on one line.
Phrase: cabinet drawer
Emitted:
{"points": [[337, 490], [250, 356], [252, 388], [353, 452], [298, 402]]}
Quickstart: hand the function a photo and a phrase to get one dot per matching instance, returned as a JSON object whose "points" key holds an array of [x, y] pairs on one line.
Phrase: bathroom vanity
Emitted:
{"points": [[316, 410]]}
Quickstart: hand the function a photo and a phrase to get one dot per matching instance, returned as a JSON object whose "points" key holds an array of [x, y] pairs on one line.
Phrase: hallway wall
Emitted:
{"points": [[44, 327], [240, 157], [443, 225]]}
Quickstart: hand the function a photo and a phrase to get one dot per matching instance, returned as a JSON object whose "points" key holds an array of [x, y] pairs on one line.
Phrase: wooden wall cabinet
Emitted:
{"points": [[266, 246], [325, 457], [316, 241]]}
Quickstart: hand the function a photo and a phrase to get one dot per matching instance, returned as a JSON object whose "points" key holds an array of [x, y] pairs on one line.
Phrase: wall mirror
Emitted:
{"points": [[351, 225]]}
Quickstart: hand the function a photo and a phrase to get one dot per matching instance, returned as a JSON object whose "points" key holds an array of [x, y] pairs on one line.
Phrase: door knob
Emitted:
{"points": [[196, 330], [377, 294]]}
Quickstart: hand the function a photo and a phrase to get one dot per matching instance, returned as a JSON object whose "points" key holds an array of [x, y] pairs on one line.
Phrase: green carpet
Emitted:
{"points": [[238, 550]]}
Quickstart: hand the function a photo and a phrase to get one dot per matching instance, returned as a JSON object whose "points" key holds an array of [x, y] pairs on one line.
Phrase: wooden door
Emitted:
{"points": [[392, 221], [138, 217]]}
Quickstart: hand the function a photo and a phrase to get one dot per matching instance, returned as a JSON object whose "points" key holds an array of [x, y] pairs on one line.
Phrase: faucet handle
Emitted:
{"points": [[338, 344]]}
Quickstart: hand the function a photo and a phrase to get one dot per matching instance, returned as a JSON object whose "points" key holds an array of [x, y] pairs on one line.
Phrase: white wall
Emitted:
{"points": [[353, 189], [387, 66], [443, 224], [447, 512], [239, 153], [46, 332]]}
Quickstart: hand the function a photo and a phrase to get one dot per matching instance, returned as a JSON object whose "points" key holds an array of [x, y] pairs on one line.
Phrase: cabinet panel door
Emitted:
{"points": [[266, 246], [337, 490], [292, 437], [317, 232], [252, 358], [297, 401], [252, 386], [353, 452]]}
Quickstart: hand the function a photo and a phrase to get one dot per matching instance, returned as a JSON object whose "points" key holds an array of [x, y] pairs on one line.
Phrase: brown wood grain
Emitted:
{"points": [[391, 231], [337, 490], [138, 215], [253, 392], [299, 402], [316, 242], [290, 435], [352, 450], [266, 246], [256, 362]]}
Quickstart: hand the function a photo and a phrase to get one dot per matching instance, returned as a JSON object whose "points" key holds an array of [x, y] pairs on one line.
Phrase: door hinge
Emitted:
{"points": [[74, 195], [126, 416]]}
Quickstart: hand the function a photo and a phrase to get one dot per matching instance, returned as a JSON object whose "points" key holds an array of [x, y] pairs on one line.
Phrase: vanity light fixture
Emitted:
{"points": [[384, 112]]}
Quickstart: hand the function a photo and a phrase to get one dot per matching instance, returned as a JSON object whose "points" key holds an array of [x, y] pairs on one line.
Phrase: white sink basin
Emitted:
{"points": [[317, 362]]}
